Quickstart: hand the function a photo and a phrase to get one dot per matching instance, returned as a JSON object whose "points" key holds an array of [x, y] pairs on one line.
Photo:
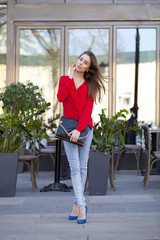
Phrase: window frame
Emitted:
{"points": [[157, 79], [65, 26]]}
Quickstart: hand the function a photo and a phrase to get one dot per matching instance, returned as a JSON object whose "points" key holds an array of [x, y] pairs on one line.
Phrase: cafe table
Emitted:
{"points": [[56, 185]]}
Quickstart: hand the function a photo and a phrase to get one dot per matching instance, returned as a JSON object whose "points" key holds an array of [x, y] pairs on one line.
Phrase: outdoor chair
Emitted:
{"points": [[30, 160], [151, 156], [45, 150], [135, 148]]}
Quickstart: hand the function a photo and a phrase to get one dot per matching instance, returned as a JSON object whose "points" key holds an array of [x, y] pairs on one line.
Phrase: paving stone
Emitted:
{"points": [[9, 209], [108, 207], [156, 198], [142, 207], [137, 198], [11, 201], [106, 199], [130, 213]]}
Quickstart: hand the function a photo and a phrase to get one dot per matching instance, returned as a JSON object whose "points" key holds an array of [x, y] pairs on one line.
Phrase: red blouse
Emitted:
{"points": [[76, 103]]}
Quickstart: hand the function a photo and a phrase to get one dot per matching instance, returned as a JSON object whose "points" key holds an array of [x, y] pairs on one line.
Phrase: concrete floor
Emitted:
{"points": [[129, 213]]}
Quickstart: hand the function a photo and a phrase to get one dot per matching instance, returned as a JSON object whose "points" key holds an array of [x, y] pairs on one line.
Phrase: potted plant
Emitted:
{"points": [[104, 138], [22, 106]]}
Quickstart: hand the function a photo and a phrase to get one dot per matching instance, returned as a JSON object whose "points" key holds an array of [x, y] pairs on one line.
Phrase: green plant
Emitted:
{"points": [[107, 128], [52, 126], [19, 98], [22, 107]]}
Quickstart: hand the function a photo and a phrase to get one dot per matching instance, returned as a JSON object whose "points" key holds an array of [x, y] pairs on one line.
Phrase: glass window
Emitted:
{"points": [[136, 1], [40, 1], [89, 1], [3, 44], [40, 63], [96, 40], [125, 72]]}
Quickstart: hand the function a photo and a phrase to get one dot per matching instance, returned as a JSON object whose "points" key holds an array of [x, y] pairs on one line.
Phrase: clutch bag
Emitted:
{"points": [[66, 125]]}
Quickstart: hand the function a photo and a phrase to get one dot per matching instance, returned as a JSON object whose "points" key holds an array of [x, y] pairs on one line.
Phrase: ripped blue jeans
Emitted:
{"points": [[78, 160]]}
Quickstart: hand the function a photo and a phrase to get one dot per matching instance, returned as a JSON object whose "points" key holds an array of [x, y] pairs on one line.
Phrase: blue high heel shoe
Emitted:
{"points": [[81, 221], [72, 217]]}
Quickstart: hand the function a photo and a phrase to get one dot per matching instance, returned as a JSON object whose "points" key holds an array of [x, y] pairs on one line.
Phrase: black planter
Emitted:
{"points": [[98, 171], [8, 174]]}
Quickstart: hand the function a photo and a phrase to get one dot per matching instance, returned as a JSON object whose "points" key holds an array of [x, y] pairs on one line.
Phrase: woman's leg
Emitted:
{"points": [[78, 160], [83, 157], [72, 153]]}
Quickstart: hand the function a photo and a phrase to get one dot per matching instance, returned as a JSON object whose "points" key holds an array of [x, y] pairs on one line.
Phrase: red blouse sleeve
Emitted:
{"points": [[86, 114], [64, 87]]}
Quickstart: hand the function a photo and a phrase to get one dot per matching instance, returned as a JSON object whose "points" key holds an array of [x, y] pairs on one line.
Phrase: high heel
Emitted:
{"points": [[81, 221], [72, 217]]}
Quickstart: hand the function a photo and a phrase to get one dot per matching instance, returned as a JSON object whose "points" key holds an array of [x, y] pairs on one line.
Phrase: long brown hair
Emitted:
{"points": [[94, 78]]}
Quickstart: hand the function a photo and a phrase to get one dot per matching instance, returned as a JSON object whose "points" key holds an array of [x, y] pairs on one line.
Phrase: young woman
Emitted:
{"points": [[78, 92]]}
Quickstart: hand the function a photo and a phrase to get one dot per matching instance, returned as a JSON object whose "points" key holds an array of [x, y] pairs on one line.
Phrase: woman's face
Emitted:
{"points": [[83, 63]]}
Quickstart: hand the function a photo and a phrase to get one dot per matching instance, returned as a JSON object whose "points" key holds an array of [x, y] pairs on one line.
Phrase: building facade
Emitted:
{"points": [[40, 40]]}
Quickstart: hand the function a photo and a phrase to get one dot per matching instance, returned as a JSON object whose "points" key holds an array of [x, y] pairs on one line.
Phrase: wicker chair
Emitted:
{"points": [[151, 156]]}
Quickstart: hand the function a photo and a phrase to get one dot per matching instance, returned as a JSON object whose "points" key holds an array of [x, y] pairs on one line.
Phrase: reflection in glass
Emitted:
{"points": [[3, 44], [40, 63], [125, 72], [96, 40]]}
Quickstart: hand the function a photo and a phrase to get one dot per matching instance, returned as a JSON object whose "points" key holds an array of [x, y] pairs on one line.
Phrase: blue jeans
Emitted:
{"points": [[78, 160]]}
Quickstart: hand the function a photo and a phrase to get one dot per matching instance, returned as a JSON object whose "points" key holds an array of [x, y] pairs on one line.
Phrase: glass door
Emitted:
{"points": [[3, 44], [97, 41], [125, 71], [40, 62], [3, 47]]}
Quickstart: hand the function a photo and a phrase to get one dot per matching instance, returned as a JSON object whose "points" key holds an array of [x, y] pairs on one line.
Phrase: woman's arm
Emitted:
{"points": [[63, 89], [65, 84]]}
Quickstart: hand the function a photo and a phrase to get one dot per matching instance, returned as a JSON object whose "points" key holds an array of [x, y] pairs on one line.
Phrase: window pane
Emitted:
{"points": [[89, 1], [147, 75], [96, 40], [40, 1], [40, 63], [125, 72], [3, 44], [136, 1]]}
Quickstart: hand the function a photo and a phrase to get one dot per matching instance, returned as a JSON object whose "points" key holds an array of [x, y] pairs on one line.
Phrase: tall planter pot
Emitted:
{"points": [[8, 174], [98, 171]]}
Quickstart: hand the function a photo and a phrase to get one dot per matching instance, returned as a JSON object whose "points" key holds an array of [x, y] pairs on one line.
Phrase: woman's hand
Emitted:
{"points": [[72, 71], [74, 135]]}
